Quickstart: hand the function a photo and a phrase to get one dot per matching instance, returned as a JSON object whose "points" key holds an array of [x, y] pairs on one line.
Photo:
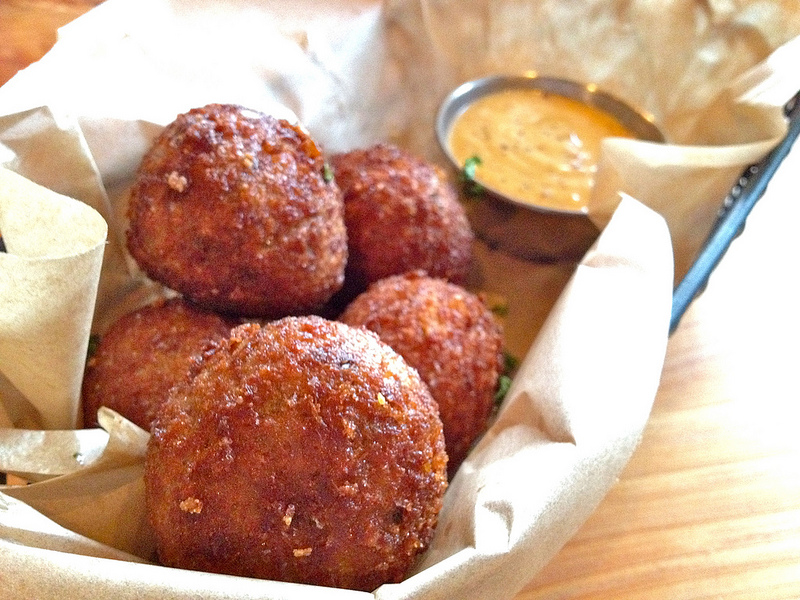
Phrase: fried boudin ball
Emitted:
{"points": [[402, 214], [453, 340], [303, 450], [231, 207], [143, 354]]}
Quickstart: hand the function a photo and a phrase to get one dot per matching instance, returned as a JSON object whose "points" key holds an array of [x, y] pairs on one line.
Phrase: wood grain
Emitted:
{"points": [[709, 506], [28, 29]]}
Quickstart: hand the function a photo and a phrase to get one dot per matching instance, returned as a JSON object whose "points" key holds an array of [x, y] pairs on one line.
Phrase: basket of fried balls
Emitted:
{"points": [[317, 371]]}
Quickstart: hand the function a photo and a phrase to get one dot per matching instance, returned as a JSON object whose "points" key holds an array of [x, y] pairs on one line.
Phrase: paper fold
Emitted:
{"points": [[354, 72], [544, 465], [48, 285], [609, 325]]}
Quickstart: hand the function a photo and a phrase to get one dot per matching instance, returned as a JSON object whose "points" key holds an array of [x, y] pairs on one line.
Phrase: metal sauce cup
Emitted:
{"points": [[521, 228]]}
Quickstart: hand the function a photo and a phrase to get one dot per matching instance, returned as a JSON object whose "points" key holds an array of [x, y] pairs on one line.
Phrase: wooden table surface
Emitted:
{"points": [[709, 506]]}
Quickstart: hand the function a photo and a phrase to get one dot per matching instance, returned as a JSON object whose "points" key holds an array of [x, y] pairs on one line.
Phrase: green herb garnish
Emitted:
{"points": [[510, 363], [94, 342], [503, 384], [471, 186], [327, 173], [500, 309], [470, 165]]}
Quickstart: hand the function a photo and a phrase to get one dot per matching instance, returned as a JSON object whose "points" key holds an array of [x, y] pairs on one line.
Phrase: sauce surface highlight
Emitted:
{"points": [[534, 146]]}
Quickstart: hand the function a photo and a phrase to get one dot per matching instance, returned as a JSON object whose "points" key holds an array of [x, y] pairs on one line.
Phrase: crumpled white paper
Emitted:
{"points": [[44, 331], [359, 71]]}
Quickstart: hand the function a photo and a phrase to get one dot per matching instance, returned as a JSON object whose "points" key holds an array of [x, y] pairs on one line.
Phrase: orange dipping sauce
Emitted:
{"points": [[534, 146]]}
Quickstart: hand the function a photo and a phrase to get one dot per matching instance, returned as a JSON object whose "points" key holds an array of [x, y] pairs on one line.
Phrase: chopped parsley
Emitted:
{"points": [[500, 309], [471, 186], [503, 384], [94, 342], [510, 364]]}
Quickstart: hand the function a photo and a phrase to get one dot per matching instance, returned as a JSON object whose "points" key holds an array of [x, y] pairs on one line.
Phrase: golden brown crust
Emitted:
{"points": [[230, 208], [402, 214], [303, 450], [450, 337], [143, 354]]}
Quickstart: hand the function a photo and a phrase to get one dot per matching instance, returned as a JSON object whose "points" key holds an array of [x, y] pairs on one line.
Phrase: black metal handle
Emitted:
{"points": [[733, 214]]}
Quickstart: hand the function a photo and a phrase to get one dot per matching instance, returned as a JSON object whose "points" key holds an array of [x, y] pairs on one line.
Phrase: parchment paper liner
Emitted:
{"points": [[48, 284], [527, 486], [381, 69]]}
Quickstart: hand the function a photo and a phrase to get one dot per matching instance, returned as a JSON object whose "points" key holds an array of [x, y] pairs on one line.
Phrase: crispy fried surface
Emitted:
{"points": [[402, 214], [230, 208], [303, 450], [450, 337], [143, 354]]}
